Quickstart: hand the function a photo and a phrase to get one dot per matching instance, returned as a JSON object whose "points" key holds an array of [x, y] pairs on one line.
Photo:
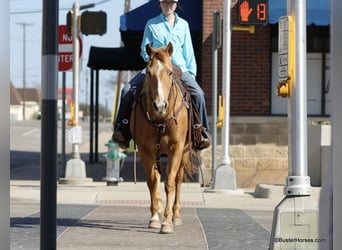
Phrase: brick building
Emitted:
{"points": [[258, 136], [254, 66]]}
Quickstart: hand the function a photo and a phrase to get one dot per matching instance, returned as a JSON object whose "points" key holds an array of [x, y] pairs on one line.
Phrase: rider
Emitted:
{"points": [[159, 31]]}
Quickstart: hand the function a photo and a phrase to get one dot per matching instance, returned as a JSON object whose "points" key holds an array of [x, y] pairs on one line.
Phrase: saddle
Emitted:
{"points": [[195, 126]]}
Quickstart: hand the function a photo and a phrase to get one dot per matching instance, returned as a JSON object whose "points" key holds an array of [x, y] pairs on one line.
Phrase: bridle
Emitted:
{"points": [[162, 124]]}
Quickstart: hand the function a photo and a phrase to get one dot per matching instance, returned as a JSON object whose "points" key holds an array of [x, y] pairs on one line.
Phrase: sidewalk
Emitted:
{"points": [[96, 216], [129, 193]]}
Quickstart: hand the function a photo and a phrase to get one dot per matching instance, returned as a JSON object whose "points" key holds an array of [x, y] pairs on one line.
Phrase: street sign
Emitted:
{"points": [[75, 135], [252, 12], [65, 49]]}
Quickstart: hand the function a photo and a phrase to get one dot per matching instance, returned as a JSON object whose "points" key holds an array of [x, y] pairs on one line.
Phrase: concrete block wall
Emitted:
{"points": [[258, 151]]}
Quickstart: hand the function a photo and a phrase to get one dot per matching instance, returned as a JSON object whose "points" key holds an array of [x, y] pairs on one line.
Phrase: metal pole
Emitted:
{"points": [[48, 160], [91, 113], [298, 182], [76, 71], [86, 94], [119, 78], [75, 169], [24, 71], [225, 176], [297, 208], [330, 204], [63, 123], [225, 159], [336, 63], [215, 44], [97, 116], [5, 234], [24, 25]]}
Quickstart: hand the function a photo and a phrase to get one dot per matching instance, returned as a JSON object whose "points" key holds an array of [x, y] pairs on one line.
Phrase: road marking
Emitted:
{"points": [[29, 132]]}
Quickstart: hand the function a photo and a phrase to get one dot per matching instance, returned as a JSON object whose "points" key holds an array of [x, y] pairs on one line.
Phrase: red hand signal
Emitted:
{"points": [[245, 11]]}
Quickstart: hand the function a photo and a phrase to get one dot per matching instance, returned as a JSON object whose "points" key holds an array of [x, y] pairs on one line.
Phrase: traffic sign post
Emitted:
{"points": [[75, 169]]}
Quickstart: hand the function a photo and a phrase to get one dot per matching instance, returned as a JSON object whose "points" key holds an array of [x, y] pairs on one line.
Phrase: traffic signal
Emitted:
{"points": [[252, 12], [94, 22]]}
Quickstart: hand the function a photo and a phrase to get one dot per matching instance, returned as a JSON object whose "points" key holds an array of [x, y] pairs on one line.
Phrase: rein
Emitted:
{"points": [[161, 126]]}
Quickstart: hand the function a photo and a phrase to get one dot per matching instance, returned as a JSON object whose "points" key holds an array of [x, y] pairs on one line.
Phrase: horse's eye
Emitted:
{"points": [[170, 73]]}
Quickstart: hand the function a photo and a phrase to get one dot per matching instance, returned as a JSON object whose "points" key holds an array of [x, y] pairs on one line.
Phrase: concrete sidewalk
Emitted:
{"points": [[97, 216], [127, 193]]}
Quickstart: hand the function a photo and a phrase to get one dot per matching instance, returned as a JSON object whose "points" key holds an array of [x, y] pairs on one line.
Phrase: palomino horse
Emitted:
{"points": [[159, 125]]}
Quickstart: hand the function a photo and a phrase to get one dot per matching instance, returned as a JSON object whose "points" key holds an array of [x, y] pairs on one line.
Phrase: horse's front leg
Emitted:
{"points": [[170, 190], [177, 206], [156, 199], [153, 183]]}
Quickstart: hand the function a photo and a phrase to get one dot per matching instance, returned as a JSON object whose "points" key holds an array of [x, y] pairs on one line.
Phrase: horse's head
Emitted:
{"points": [[158, 81]]}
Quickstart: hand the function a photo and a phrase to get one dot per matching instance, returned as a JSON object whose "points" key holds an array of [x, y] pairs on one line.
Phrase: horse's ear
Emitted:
{"points": [[169, 48]]}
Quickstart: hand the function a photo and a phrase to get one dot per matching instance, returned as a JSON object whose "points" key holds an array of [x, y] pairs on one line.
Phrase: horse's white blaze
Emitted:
{"points": [[160, 89]]}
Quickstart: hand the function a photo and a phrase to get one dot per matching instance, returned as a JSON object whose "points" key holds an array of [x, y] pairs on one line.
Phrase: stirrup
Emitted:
{"points": [[205, 143], [118, 138]]}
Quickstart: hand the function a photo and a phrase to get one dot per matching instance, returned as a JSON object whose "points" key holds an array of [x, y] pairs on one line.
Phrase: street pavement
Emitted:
{"points": [[95, 215]]}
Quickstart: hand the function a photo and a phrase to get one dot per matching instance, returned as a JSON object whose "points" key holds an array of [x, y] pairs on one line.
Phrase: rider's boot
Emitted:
{"points": [[205, 141], [122, 134]]}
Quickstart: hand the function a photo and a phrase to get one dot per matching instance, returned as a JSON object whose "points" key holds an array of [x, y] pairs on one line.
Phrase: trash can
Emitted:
{"points": [[114, 161]]}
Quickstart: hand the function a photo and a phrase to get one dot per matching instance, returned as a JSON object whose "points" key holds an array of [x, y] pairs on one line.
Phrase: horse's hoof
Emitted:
{"points": [[177, 221], [154, 224], [166, 228]]}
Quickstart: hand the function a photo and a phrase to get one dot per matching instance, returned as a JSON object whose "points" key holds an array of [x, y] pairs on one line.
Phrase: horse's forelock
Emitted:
{"points": [[161, 56]]}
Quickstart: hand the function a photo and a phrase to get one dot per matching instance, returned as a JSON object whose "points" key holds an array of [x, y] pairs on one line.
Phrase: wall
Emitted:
{"points": [[258, 151], [250, 64]]}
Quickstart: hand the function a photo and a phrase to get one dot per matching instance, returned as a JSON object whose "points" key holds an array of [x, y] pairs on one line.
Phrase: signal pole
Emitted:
{"points": [[24, 25], [296, 216], [224, 180], [75, 172]]}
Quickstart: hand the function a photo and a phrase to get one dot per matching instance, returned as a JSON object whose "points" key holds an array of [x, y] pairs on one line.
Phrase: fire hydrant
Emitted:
{"points": [[114, 161]]}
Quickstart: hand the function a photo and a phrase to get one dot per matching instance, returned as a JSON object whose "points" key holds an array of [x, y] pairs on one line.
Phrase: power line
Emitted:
{"points": [[40, 11]]}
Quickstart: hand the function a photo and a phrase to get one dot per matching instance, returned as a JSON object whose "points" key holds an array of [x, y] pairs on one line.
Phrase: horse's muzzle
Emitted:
{"points": [[160, 107]]}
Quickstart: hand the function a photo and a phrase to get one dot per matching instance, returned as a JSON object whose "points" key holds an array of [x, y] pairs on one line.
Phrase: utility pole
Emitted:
{"points": [[119, 79], [24, 25]]}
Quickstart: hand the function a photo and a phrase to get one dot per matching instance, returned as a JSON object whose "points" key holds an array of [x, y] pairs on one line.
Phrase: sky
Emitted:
{"points": [[30, 12]]}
